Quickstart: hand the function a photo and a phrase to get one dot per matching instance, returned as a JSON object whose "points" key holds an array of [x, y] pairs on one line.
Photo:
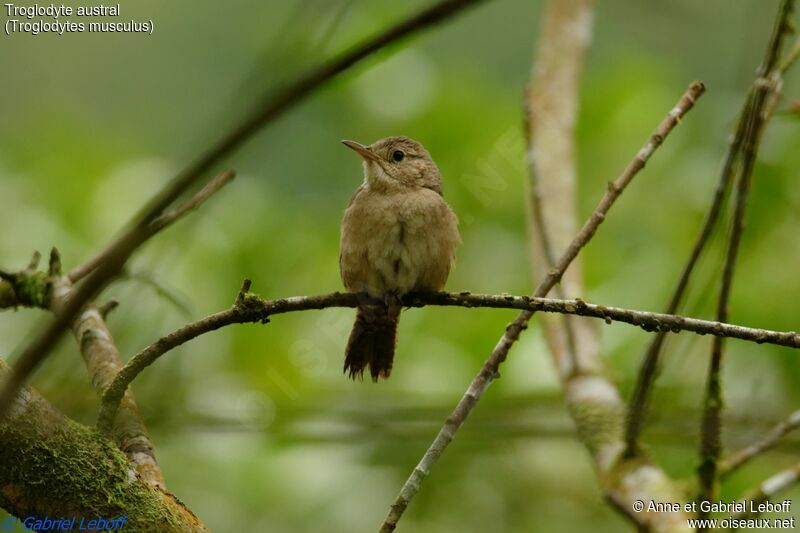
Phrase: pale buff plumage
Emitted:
{"points": [[398, 236]]}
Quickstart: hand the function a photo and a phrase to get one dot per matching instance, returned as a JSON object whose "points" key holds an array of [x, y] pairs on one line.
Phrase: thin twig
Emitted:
{"points": [[489, 370], [791, 57], [767, 441], [251, 308], [273, 107], [172, 296], [770, 488], [647, 371], [195, 201], [33, 264], [107, 307], [54, 263], [710, 445], [650, 362], [160, 222], [115, 391], [103, 362]]}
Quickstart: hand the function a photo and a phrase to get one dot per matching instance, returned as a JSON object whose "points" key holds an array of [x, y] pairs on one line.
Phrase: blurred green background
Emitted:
{"points": [[255, 427]]}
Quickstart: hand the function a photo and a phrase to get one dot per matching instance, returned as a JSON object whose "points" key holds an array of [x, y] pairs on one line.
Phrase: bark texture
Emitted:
{"points": [[53, 466]]}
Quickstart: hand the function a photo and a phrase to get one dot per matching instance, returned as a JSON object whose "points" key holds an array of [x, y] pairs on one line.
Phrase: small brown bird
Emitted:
{"points": [[398, 236]]}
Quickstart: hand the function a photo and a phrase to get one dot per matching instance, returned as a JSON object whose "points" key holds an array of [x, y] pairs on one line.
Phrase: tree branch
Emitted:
{"points": [[791, 57], [103, 363], [489, 370], [160, 222], [650, 362], [767, 441], [551, 108], [252, 308], [647, 371], [27, 287], [51, 465], [769, 81], [770, 488], [50, 290], [273, 107]]}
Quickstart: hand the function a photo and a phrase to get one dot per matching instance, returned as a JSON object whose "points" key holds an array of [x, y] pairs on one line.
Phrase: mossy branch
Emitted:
{"points": [[50, 290], [51, 465]]}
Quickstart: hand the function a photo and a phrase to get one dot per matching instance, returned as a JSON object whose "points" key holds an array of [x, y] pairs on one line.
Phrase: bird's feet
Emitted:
{"points": [[392, 300]]}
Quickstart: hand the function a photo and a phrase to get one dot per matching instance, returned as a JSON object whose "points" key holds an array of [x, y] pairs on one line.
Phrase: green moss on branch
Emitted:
{"points": [[51, 465]]}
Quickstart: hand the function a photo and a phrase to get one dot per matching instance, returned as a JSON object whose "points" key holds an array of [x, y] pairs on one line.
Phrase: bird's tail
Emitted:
{"points": [[372, 341]]}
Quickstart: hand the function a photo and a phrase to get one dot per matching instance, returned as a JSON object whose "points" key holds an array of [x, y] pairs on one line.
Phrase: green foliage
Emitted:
{"points": [[255, 426]]}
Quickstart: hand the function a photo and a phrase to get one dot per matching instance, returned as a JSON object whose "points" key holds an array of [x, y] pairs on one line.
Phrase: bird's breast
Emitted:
{"points": [[397, 242]]}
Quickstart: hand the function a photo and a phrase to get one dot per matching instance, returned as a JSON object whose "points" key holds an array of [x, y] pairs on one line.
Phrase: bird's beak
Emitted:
{"points": [[362, 150]]}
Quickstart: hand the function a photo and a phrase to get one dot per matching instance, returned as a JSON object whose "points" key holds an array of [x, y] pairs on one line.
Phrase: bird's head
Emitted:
{"points": [[398, 162]]}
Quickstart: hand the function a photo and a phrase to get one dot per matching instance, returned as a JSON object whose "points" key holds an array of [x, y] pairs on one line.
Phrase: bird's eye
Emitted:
{"points": [[398, 155]]}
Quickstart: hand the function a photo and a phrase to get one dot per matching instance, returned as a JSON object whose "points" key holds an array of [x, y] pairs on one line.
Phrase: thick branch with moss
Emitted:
{"points": [[103, 363], [25, 288], [51, 465], [50, 290]]}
